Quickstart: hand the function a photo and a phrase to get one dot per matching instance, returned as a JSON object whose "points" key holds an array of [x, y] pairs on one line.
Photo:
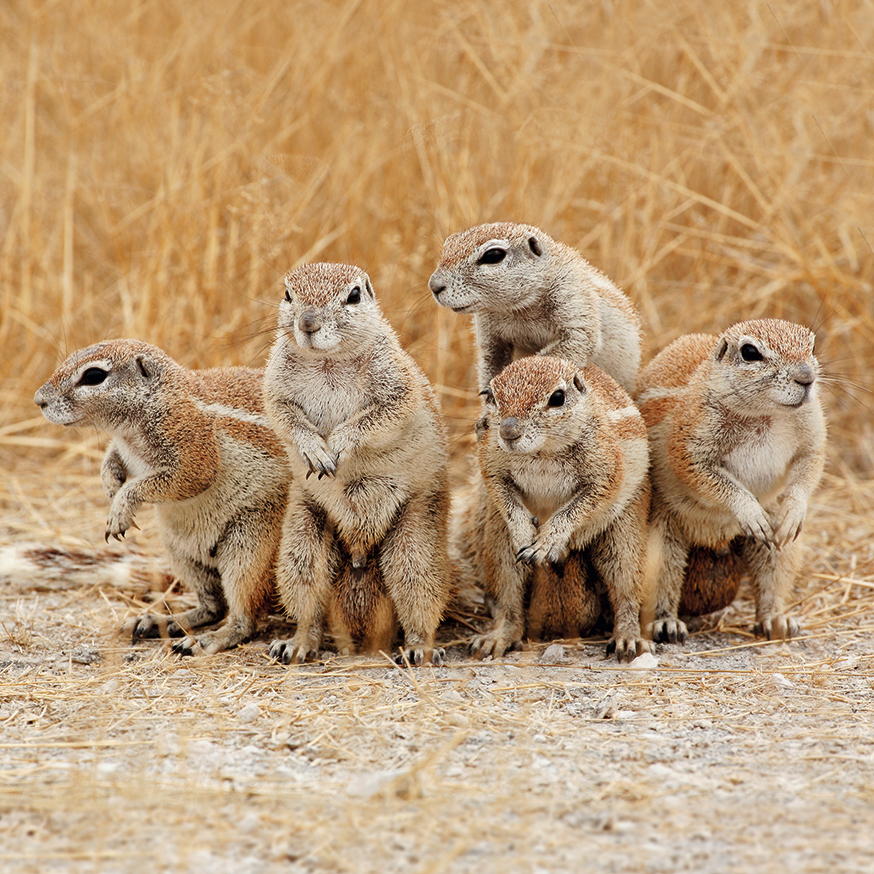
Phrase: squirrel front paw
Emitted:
{"points": [[121, 518], [320, 459], [792, 514], [549, 547], [754, 522]]}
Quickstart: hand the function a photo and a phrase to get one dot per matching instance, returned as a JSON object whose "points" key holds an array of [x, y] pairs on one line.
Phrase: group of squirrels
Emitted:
{"points": [[605, 495]]}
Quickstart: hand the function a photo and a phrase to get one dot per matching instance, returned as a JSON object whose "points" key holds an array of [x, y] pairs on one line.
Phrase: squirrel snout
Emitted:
{"points": [[511, 428], [436, 285], [39, 399], [804, 375], [309, 322]]}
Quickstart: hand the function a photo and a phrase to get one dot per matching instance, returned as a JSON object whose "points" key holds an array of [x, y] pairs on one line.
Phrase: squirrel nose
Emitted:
{"points": [[309, 322], [436, 285], [39, 400], [804, 375], [511, 428]]}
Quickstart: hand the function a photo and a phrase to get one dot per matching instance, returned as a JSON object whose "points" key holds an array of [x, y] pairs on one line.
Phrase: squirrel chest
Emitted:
{"points": [[528, 335], [543, 488], [762, 460], [330, 393]]}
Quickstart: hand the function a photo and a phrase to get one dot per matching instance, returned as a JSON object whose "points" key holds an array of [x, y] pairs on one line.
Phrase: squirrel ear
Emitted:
{"points": [[368, 286], [723, 348], [147, 371], [534, 246], [578, 383]]}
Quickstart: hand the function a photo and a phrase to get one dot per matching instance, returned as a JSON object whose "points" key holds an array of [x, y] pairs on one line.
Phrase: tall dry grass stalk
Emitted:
{"points": [[165, 163]]}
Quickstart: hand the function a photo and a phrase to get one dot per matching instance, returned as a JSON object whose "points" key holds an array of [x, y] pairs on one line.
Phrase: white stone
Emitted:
{"points": [[554, 654], [249, 713]]}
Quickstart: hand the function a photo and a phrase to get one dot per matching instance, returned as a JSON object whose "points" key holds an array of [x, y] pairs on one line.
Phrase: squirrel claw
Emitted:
{"points": [[527, 554]]}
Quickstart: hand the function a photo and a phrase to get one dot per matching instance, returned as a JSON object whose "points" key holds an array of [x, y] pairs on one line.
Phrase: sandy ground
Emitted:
{"points": [[730, 754]]}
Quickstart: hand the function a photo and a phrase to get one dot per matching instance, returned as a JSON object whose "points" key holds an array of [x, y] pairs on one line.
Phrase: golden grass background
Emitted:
{"points": [[165, 163], [162, 164]]}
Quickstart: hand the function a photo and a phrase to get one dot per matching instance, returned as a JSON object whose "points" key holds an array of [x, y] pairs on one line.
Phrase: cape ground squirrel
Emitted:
{"points": [[197, 445], [358, 413], [737, 439], [532, 295], [563, 457]]}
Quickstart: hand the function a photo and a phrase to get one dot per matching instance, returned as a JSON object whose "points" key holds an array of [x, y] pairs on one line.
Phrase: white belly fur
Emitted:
{"points": [[762, 463]]}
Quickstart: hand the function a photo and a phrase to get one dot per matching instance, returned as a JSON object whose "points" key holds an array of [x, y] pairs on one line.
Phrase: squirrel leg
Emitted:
{"points": [[304, 570], [414, 563], [618, 556], [669, 562], [504, 579], [206, 582], [245, 556], [773, 572]]}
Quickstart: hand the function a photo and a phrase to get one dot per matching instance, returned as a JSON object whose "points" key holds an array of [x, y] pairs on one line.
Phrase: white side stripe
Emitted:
{"points": [[624, 413], [652, 394], [234, 413]]}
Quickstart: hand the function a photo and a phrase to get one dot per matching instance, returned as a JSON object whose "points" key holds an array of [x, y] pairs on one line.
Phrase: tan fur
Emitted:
{"points": [[737, 449], [197, 445], [369, 455], [543, 298], [560, 508]]}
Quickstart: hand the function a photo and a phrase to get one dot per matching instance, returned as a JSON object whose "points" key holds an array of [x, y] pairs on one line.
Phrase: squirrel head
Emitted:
{"points": [[329, 309], [536, 404], [496, 267], [103, 385], [764, 366]]}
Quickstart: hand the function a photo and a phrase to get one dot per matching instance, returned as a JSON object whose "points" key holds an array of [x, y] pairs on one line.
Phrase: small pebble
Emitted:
{"points": [[554, 654], [645, 660], [249, 713]]}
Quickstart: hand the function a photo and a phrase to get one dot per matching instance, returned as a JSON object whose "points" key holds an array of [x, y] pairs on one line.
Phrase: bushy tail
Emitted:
{"points": [[712, 578]]}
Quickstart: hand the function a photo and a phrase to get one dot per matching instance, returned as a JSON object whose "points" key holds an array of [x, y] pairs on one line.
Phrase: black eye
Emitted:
{"points": [[492, 256], [556, 399], [93, 376], [287, 296], [749, 353], [354, 295]]}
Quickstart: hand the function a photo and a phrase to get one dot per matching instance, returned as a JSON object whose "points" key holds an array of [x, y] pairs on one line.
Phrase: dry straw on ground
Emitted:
{"points": [[164, 163]]}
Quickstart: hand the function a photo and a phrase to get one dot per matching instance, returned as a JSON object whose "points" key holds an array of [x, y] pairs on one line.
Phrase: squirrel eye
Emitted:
{"points": [[492, 256], [93, 376], [287, 296], [556, 399], [354, 295], [749, 353]]}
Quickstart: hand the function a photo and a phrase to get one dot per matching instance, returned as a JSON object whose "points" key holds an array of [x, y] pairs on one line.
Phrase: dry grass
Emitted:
{"points": [[164, 163]]}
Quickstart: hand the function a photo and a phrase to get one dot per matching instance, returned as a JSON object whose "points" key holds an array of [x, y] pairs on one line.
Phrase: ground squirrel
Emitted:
{"points": [[369, 456], [737, 439], [197, 445], [530, 294], [561, 505]]}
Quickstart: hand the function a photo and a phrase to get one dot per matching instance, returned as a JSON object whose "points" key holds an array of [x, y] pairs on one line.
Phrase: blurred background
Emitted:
{"points": [[163, 164]]}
